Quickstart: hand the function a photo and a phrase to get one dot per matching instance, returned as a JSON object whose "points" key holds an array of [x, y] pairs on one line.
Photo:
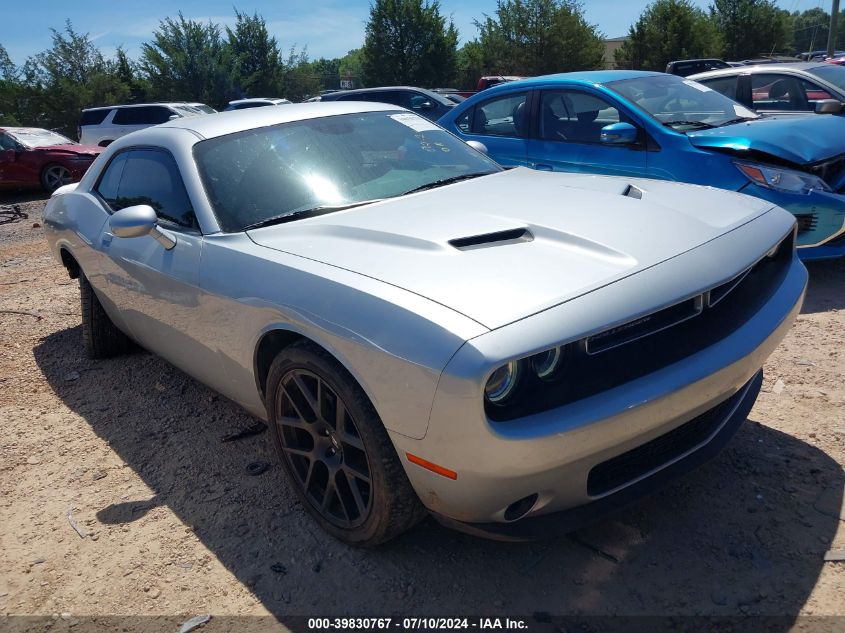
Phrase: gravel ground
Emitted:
{"points": [[129, 452]]}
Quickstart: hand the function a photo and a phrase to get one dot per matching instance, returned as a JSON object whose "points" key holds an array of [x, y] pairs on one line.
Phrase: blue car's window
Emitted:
{"points": [[303, 167], [680, 103], [571, 115], [501, 116]]}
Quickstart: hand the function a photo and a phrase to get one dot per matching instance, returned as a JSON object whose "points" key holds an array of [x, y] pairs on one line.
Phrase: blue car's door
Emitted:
{"points": [[567, 134], [502, 124]]}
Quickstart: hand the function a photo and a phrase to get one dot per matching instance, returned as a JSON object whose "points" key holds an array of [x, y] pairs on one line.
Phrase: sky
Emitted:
{"points": [[328, 28]]}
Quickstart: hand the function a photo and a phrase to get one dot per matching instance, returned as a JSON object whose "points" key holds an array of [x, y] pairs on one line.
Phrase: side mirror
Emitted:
{"points": [[619, 134], [478, 146], [828, 106], [138, 221]]}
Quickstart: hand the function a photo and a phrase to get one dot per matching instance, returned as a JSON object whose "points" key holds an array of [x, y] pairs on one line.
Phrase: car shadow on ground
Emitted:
{"points": [[745, 534], [826, 290], [17, 196]]}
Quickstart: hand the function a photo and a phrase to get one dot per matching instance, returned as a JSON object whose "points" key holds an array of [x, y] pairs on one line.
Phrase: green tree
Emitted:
{"points": [[750, 28], [255, 56], [71, 75], [470, 62], [351, 67], [327, 72], [536, 37], [297, 78], [10, 90], [810, 29], [188, 61], [409, 42], [127, 73], [669, 30]]}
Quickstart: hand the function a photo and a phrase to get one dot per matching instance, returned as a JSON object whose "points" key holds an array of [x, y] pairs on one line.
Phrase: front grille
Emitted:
{"points": [[642, 346], [806, 222], [648, 457]]}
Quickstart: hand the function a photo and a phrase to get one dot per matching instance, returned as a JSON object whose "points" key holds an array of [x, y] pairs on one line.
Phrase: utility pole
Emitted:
{"points": [[831, 37]]}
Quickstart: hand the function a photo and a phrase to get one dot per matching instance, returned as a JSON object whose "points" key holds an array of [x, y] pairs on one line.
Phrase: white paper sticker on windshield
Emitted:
{"points": [[697, 86], [415, 122]]}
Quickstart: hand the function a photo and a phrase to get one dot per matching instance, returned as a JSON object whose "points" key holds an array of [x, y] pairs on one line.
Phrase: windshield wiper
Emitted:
{"points": [[695, 123], [737, 120], [300, 214], [447, 181]]}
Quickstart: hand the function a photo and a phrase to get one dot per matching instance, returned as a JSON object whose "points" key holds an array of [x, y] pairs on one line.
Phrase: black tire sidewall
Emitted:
{"points": [[381, 456]]}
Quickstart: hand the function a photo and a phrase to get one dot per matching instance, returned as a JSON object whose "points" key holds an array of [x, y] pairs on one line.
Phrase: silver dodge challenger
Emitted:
{"points": [[515, 352]]}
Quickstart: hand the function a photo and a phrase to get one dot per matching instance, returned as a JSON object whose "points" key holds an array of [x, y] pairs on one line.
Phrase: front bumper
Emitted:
{"points": [[561, 522], [551, 454], [823, 212]]}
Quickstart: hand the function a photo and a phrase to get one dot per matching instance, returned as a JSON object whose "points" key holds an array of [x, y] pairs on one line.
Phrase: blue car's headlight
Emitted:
{"points": [[782, 179]]}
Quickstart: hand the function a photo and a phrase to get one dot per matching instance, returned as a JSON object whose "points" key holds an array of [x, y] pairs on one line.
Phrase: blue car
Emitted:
{"points": [[631, 123]]}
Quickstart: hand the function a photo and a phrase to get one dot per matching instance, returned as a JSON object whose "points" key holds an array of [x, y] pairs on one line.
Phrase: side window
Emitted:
{"points": [[463, 121], [578, 117], [157, 114], [152, 177], [725, 85], [127, 116], [110, 180], [93, 117], [6, 142], [777, 92], [813, 93], [502, 116]]}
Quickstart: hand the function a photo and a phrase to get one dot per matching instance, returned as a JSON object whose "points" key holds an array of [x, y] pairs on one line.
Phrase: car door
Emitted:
{"points": [[156, 290], [501, 123], [9, 163], [568, 128]]}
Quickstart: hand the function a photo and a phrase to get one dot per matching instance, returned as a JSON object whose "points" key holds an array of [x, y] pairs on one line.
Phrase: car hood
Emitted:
{"points": [[555, 236], [79, 150], [799, 140]]}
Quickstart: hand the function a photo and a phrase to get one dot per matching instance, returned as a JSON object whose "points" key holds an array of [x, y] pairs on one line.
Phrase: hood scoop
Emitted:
{"points": [[499, 238], [633, 192]]}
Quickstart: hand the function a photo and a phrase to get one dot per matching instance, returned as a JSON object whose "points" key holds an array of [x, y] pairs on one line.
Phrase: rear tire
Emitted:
{"points": [[101, 337], [335, 449]]}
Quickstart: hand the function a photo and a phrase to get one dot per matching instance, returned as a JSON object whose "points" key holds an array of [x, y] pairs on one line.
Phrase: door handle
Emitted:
{"points": [[543, 167]]}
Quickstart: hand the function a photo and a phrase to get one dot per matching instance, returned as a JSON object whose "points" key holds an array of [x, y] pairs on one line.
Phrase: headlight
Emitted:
{"points": [[545, 364], [782, 179], [502, 383]]}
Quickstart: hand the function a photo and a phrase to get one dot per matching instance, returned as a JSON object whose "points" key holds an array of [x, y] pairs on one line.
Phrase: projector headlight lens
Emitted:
{"points": [[545, 364], [502, 383]]}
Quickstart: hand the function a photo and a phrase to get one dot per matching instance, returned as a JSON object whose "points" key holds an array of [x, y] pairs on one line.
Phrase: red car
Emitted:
{"points": [[34, 157]]}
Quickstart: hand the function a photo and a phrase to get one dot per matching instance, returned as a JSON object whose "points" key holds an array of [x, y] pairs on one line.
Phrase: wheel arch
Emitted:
{"points": [[276, 339], [69, 262]]}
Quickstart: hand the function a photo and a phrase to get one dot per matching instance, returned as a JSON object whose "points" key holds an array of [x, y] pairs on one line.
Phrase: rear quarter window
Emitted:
{"points": [[93, 117]]}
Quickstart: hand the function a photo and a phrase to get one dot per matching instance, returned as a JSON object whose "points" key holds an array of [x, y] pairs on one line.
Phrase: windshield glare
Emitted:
{"points": [[680, 103], [263, 173], [36, 137], [831, 73]]}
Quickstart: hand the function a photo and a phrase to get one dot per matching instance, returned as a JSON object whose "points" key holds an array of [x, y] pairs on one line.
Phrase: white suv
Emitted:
{"points": [[101, 126]]}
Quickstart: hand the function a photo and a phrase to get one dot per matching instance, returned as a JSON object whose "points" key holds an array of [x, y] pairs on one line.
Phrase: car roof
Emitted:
{"points": [[585, 76], [379, 89], [177, 104], [28, 130], [223, 123], [257, 100], [798, 67]]}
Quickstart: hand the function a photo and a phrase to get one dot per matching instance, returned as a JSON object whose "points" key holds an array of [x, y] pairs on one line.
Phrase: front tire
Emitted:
{"points": [[54, 176], [336, 450], [101, 337]]}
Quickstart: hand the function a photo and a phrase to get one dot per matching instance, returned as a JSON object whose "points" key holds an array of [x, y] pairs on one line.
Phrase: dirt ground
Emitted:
{"points": [[129, 451]]}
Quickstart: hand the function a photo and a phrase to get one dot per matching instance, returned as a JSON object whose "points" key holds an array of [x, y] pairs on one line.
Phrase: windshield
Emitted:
{"points": [[831, 73], [33, 137], [681, 104], [329, 162]]}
